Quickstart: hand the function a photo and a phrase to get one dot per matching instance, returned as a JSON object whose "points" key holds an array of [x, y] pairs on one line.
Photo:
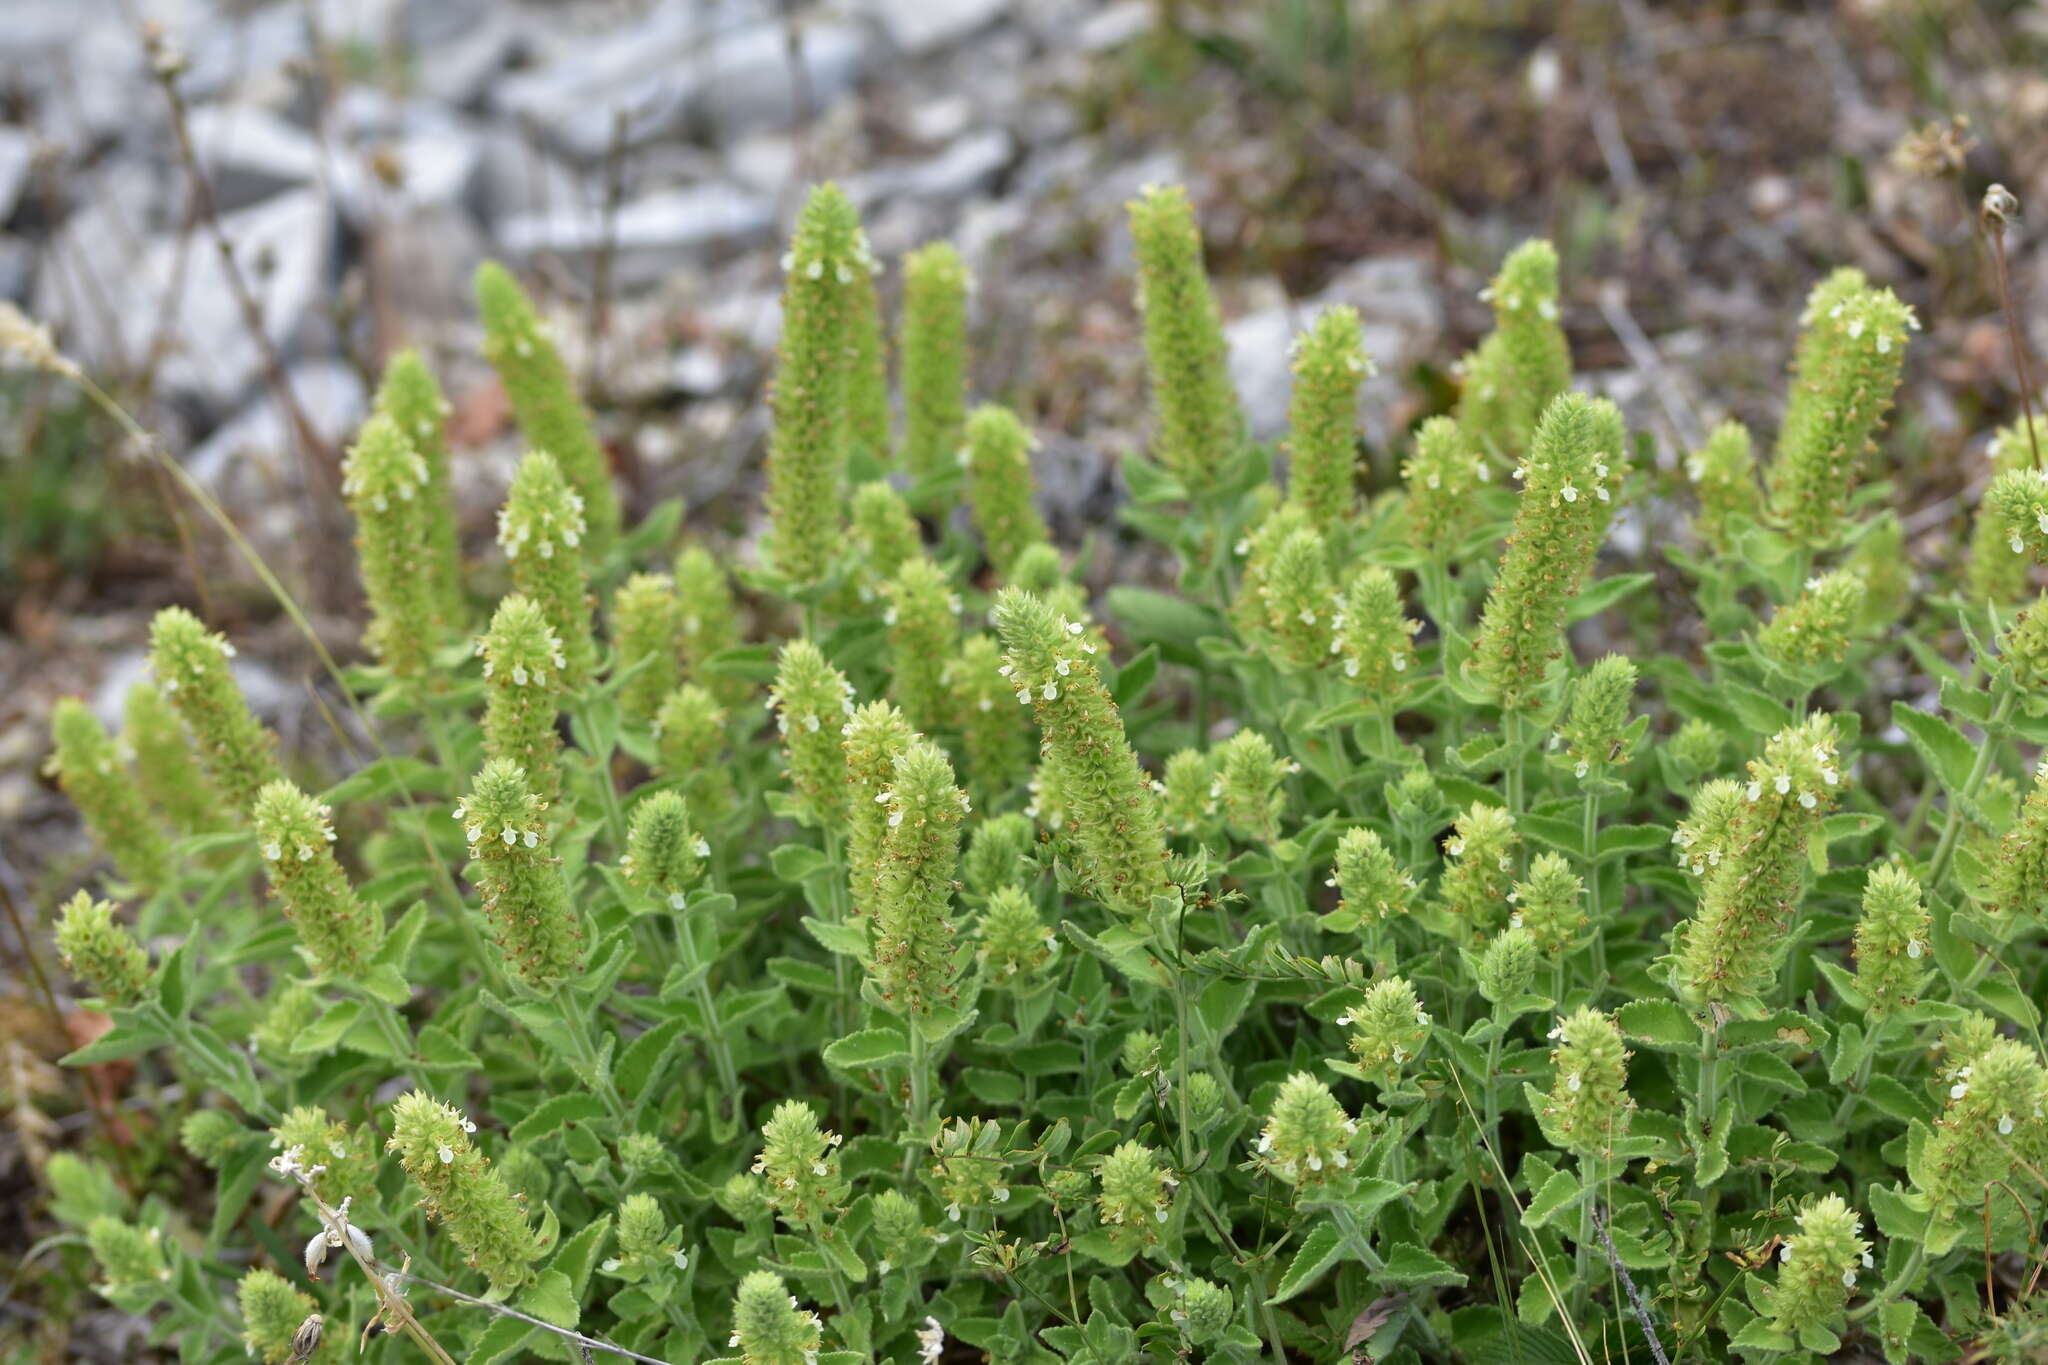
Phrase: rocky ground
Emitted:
{"points": [[637, 162]]}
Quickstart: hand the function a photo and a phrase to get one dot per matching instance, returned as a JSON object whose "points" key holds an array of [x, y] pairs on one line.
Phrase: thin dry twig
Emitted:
{"points": [[1635, 1297], [607, 245]]}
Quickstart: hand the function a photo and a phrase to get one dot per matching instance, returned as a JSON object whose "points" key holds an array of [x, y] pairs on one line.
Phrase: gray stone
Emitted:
{"points": [[521, 177], [17, 158], [970, 165], [17, 263], [250, 153], [1113, 26], [648, 234], [916, 27], [244, 461]]}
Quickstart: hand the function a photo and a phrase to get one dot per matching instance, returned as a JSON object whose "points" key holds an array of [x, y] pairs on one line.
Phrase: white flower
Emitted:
{"points": [[931, 1341]]}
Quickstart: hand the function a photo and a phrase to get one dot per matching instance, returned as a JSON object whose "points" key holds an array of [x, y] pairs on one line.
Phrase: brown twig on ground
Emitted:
{"points": [[2000, 208]]}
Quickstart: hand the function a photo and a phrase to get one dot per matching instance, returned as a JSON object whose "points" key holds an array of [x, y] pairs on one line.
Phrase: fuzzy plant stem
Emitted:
{"points": [[1901, 1282], [216, 1068], [1863, 1068], [1493, 1050], [714, 1032], [920, 1078], [1708, 1100], [583, 1043], [1582, 1247], [1951, 829], [1511, 737], [607, 790]]}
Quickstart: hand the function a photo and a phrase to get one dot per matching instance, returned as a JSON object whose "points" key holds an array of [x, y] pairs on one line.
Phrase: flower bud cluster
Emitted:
{"points": [[543, 397], [645, 618], [1372, 637], [2018, 880], [1186, 787], [647, 1242], [1307, 1138], [885, 531], [872, 738], [1992, 1115], [272, 1310], [211, 1136], [1819, 626], [1588, 1105], [1194, 408], [295, 835], [191, 668], [934, 348], [799, 1166], [1697, 749], [1136, 1196], [410, 397], [1300, 600], [100, 951], [923, 617], [541, 530], [1723, 474], [1524, 362], [968, 1165], [1015, 943], [1000, 488], [1475, 883], [811, 701], [1817, 1267], [1506, 967], [1442, 473], [1893, 950], [524, 896], [913, 935], [978, 697], [1247, 783], [1201, 1309], [525, 672], [996, 853], [166, 768], [1995, 573], [1374, 888], [1330, 364], [89, 767], [130, 1258], [707, 622], [664, 852], [333, 1158], [1551, 905], [767, 1326], [1389, 1029], [385, 480], [462, 1191], [1595, 729], [902, 1232]]}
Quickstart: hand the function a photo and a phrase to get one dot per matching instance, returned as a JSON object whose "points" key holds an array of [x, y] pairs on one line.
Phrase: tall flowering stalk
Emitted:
{"points": [[885, 531], [1566, 491], [100, 951], [166, 768], [191, 668], [873, 737], [767, 1326], [923, 617], [1322, 417], [1894, 938], [1723, 474], [664, 852], [913, 938], [524, 672], [1300, 600], [462, 1191], [541, 528], [523, 893], [1818, 627], [996, 747], [94, 774], [645, 617], [1194, 409], [1109, 807], [934, 349], [1817, 1270], [544, 399], [1373, 641], [867, 372], [707, 622], [295, 834], [811, 701], [999, 486], [1524, 362], [410, 397], [1844, 375], [385, 481], [827, 267]]}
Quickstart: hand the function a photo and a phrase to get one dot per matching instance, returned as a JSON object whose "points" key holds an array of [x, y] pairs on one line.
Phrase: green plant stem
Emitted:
{"points": [[1511, 737], [607, 790], [840, 1295], [587, 1054], [1899, 1283], [920, 1080], [1582, 1245], [1951, 828], [393, 1028], [1589, 835], [1862, 1080], [1493, 1049], [714, 1033], [1708, 1101]]}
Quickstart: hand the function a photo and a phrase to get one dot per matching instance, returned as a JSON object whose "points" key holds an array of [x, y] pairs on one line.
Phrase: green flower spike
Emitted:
{"points": [[663, 851], [867, 374], [90, 768], [799, 1166], [1481, 847], [1524, 362], [1551, 905], [2017, 502], [708, 622], [523, 677], [1249, 610], [2018, 881], [690, 738], [412, 400], [1844, 375], [1374, 641], [523, 893], [1301, 601], [999, 486], [923, 617], [1995, 572], [461, 1191], [1730, 950], [1187, 792], [166, 768], [902, 1233], [1111, 812], [1817, 1268], [1993, 1111], [1388, 1030], [968, 1165], [294, 834], [886, 531], [934, 348], [1015, 943], [211, 1136], [767, 1326], [291, 1010], [1136, 1197], [1568, 480], [1441, 476], [825, 273], [2023, 648], [322, 1141], [1893, 938], [385, 481], [644, 1242], [1194, 410], [543, 398], [130, 1258], [913, 961], [1703, 836], [1308, 1137], [1723, 474], [1587, 1106], [1248, 778], [645, 617], [271, 1313], [1507, 965], [100, 951], [979, 698], [1818, 627], [1373, 887], [191, 668], [1595, 729], [811, 701], [1697, 749], [996, 853], [540, 528], [1202, 1309], [1322, 417], [873, 737]]}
